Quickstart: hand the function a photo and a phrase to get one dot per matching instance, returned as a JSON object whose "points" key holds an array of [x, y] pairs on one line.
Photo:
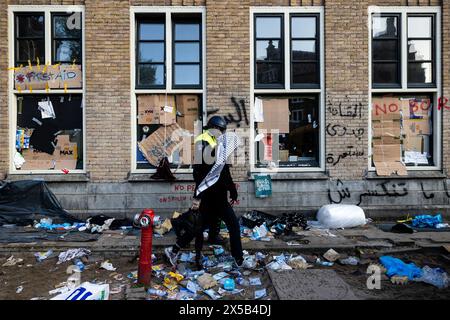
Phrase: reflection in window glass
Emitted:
{"points": [[419, 27], [384, 50], [187, 74], [384, 27], [304, 73], [269, 73], [385, 73], [304, 27], [268, 50], [64, 29], [304, 50], [67, 42], [187, 52], [30, 39], [151, 74], [67, 51], [420, 72], [187, 31], [268, 27], [297, 143], [151, 31], [151, 52]]}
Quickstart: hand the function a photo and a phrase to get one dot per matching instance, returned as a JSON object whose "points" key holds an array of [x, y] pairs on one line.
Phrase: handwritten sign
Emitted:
{"points": [[51, 77]]}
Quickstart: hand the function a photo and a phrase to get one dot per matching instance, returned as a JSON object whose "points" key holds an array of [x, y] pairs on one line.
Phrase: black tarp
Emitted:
{"points": [[23, 201]]}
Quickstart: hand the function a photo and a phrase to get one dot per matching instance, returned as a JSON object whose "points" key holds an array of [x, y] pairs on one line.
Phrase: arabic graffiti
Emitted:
{"points": [[340, 130], [349, 111], [387, 188], [241, 113], [334, 159]]}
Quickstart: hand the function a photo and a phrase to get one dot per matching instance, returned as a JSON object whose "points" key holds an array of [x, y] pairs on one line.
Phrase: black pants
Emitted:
{"points": [[210, 212]]}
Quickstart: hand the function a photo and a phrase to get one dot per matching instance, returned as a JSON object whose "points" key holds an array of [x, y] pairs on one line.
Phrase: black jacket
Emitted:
{"points": [[218, 191]]}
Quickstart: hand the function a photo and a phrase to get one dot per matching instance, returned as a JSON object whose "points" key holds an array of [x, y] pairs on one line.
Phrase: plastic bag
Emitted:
{"points": [[436, 277], [335, 216], [86, 291], [396, 267]]}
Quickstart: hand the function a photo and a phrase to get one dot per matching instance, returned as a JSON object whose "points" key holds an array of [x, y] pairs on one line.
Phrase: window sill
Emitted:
{"points": [[293, 176], [71, 177], [411, 175], [145, 177]]}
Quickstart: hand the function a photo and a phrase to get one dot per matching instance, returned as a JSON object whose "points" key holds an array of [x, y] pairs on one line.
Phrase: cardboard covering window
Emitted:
{"points": [[151, 109], [188, 110], [386, 134], [161, 143], [65, 156], [276, 115], [54, 76]]}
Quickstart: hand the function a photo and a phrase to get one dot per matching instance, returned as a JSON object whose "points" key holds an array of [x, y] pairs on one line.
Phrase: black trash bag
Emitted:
{"points": [[188, 222], [163, 171], [22, 202], [115, 225], [256, 218], [291, 220]]}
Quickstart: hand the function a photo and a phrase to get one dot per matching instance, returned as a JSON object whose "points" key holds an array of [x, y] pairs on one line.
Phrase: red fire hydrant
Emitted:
{"points": [[144, 220]]}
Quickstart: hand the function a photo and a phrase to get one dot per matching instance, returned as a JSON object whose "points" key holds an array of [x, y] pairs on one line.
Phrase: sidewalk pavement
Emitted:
{"points": [[367, 237]]}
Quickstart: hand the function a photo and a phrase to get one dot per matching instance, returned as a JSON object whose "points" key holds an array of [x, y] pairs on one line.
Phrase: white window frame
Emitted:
{"points": [[167, 10], [437, 91], [287, 11], [12, 100]]}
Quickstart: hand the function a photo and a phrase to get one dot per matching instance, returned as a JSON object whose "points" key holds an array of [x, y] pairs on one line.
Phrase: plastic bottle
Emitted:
{"points": [[79, 264], [156, 292], [324, 263], [229, 285]]}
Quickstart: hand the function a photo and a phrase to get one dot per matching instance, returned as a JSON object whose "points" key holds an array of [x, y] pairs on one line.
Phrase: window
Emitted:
{"points": [[151, 56], [386, 50], [390, 41], [187, 52], [421, 50], [46, 89], [269, 51], [30, 38], [66, 41], [287, 91], [168, 92], [405, 122], [305, 58]]}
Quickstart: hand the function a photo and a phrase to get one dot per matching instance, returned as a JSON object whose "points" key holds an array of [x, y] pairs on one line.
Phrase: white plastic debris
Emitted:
{"points": [[260, 294], [353, 261], [72, 254], [12, 261], [335, 216], [40, 256], [331, 255], [86, 291], [107, 266], [19, 289]]}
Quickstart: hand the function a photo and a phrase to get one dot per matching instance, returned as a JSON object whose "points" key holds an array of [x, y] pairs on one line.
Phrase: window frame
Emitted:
{"points": [[435, 91], [54, 39], [398, 61], [18, 62], [174, 63], [12, 93], [288, 90], [282, 50], [169, 89], [139, 21], [317, 61], [433, 50]]}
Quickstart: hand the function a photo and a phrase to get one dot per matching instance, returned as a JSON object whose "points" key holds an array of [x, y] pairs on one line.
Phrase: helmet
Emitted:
{"points": [[217, 121]]}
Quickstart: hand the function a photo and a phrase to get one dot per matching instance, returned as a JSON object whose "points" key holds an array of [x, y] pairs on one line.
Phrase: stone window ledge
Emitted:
{"points": [[145, 177], [71, 177], [411, 175], [293, 176]]}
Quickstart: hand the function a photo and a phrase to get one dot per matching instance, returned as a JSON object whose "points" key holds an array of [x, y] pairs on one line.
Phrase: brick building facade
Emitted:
{"points": [[109, 181]]}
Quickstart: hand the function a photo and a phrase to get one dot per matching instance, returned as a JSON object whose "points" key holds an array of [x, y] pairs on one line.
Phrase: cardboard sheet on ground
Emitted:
{"points": [[161, 143], [276, 115]]}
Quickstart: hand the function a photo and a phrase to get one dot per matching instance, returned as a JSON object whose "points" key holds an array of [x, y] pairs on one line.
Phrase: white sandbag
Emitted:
{"points": [[86, 291], [335, 216]]}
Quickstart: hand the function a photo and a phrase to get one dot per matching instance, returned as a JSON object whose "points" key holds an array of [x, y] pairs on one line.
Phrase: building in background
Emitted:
{"points": [[348, 101]]}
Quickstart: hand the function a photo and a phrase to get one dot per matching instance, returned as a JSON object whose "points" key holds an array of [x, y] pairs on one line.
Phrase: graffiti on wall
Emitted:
{"points": [[385, 189], [238, 116]]}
